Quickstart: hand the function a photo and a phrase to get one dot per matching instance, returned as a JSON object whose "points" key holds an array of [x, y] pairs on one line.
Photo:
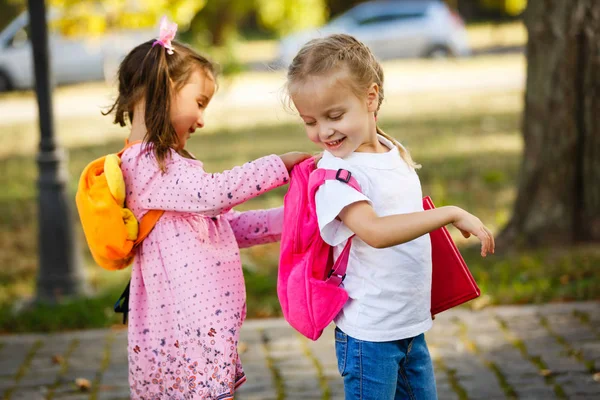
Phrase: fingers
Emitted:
{"points": [[487, 241], [493, 248]]}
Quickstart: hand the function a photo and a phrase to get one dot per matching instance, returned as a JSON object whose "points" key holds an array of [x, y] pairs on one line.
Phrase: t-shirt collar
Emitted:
{"points": [[387, 160]]}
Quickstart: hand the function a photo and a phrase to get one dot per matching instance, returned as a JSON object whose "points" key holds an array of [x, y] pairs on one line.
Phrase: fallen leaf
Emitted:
{"points": [[57, 359], [83, 384], [545, 372], [242, 347], [597, 376], [481, 302]]}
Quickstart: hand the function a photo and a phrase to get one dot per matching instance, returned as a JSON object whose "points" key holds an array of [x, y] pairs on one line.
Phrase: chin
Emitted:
{"points": [[340, 154]]}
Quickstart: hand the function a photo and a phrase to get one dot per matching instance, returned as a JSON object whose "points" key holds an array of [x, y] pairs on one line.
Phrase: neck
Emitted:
{"points": [[372, 145], [138, 125]]}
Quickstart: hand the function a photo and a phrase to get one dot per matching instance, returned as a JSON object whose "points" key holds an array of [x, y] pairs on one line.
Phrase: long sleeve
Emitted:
{"points": [[256, 227], [186, 187]]}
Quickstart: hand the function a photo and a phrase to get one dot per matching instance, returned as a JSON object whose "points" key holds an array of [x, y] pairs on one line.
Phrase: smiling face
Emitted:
{"points": [[335, 118], [190, 102]]}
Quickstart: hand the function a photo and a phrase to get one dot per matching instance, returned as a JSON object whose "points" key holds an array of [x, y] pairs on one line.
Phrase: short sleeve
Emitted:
{"points": [[330, 200]]}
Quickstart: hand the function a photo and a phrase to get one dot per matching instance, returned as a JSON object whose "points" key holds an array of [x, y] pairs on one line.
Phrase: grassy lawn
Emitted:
{"points": [[469, 159]]}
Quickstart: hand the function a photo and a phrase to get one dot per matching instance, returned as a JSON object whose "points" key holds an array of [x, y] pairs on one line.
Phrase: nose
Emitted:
{"points": [[200, 121], [325, 132]]}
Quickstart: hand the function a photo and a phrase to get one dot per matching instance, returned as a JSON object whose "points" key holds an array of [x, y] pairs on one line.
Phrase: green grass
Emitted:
{"points": [[468, 160]]}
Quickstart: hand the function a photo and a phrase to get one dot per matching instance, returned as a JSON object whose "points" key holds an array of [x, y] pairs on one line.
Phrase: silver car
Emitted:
{"points": [[393, 29], [71, 59]]}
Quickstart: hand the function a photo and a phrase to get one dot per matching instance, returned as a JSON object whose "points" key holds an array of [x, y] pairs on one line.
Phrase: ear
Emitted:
{"points": [[373, 97]]}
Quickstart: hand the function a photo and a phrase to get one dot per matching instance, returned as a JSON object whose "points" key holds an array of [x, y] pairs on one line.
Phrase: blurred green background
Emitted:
{"points": [[466, 136]]}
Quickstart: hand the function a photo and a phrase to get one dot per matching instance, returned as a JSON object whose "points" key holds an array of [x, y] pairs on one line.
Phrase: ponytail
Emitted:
{"points": [[161, 135], [403, 152]]}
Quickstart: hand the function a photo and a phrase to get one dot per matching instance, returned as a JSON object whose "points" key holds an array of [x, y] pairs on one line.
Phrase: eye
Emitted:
{"points": [[336, 117], [310, 123], [200, 105]]}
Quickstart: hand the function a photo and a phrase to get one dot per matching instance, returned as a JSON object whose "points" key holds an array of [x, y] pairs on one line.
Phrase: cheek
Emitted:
{"points": [[312, 134], [178, 125], [182, 119]]}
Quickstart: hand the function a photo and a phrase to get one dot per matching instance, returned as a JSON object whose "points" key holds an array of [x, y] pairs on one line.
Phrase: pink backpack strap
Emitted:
{"points": [[317, 178], [338, 271], [320, 175]]}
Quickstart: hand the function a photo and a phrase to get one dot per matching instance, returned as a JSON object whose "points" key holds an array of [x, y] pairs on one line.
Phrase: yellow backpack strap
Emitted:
{"points": [[149, 219], [147, 224], [128, 144]]}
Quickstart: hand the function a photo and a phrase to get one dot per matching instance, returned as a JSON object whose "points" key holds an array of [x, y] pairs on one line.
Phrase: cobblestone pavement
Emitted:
{"points": [[526, 352]]}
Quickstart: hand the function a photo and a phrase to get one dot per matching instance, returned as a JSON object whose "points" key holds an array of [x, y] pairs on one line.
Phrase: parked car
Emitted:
{"points": [[393, 29], [71, 59]]}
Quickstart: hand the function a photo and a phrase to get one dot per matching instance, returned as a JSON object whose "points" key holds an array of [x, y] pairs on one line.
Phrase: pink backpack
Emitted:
{"points": [[308, 281]]}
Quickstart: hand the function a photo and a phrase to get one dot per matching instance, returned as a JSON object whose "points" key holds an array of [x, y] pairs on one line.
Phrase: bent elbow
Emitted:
{"points": [[374, 239], [379, 244]]}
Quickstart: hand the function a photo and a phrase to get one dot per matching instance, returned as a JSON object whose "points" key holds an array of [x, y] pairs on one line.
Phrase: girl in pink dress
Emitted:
{"points": [[187, 295]]}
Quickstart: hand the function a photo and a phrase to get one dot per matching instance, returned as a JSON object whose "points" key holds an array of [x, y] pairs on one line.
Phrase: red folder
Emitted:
{"points": [[451, 283]]}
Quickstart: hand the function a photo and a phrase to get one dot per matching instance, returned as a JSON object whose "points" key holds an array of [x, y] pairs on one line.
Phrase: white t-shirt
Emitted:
{"points": [[389, 289]]}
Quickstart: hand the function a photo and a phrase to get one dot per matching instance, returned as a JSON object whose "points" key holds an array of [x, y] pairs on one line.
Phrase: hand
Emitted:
{"points": [[468, 225], [292, 158]]}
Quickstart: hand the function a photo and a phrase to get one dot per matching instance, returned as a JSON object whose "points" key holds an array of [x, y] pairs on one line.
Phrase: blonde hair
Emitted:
{"points": [[326, 55]]}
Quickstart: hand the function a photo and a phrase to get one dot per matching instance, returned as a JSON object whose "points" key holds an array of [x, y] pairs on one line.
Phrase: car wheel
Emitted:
{"points": [[5, 84], [439, 52]]}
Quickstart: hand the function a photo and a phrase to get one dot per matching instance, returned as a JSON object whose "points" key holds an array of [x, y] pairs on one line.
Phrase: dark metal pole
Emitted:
{"points": [[60, 272]]}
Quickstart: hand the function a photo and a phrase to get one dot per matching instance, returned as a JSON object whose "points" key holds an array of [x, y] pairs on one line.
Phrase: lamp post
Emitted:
{"points": [[60, 272]]}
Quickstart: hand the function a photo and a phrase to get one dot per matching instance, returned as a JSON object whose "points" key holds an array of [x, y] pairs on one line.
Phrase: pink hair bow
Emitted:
{"points": [[167, 33]]}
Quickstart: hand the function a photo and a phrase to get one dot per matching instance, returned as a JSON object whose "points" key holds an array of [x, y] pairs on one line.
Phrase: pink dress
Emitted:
{"points": [[187, 297]]}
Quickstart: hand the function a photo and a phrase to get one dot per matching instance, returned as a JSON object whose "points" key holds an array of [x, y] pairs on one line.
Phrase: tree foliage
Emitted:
{"points": [[212, 21]]}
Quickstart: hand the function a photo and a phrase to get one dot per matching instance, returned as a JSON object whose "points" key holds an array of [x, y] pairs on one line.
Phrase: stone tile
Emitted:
{"points": [[288, 352]]}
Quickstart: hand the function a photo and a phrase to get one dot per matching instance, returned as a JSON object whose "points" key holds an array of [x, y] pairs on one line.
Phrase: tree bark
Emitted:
{"points": [[558, 199]]}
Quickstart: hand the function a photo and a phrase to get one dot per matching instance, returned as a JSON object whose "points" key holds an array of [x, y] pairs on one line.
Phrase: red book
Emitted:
{"points": [[451, 283]]}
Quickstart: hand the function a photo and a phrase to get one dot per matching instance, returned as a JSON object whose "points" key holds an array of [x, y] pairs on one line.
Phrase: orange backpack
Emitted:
{"points": [[110, 229]]}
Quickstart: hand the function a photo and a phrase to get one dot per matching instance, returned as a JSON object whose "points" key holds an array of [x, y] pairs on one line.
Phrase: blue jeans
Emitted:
{"points": [[400, 369]]}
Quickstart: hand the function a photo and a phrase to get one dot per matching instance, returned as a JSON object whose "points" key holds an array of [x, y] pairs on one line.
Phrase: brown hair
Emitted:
{"points": [[330, 54], [149, 73]]}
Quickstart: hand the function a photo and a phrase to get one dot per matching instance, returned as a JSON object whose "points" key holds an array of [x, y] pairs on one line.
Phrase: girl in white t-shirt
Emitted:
{"points": [[336, 84]]}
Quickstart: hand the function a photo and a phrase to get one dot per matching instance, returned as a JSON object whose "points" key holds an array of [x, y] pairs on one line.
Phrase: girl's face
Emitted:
{"points": [[334, 117], [190, 102]]}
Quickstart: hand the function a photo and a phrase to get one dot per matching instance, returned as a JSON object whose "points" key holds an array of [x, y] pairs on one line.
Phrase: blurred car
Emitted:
{"points": [[393, 29], [71, 59]]}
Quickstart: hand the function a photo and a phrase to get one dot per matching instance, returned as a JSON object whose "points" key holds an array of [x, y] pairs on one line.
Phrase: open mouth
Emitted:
{"points": [[334, 144]]}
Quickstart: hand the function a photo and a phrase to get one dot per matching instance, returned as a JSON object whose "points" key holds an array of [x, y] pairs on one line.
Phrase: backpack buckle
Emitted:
{"points": [[331, 272], [339, 177]]}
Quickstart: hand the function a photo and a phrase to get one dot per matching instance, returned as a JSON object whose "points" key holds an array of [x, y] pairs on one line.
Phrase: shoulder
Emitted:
{"points": [[334, 163], [141, 154], [331, 162]]}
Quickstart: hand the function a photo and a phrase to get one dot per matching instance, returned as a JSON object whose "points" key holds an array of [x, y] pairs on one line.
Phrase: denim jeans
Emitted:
{"points": [[400, 369]]}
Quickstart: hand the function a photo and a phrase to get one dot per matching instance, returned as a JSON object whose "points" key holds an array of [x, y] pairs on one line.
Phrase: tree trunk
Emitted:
{"points": [[558, 200]]}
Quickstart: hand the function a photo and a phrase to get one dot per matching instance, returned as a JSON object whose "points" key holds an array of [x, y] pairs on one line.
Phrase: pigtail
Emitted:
{"points": [[161, 136]]}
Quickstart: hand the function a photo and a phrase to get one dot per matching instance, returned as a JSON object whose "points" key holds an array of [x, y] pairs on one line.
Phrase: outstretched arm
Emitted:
{"points": [[257, 226], [391, 230], [186, 187]]}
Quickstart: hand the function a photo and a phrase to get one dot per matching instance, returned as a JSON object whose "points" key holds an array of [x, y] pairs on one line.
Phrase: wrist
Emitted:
{"points": [[454, 213]]}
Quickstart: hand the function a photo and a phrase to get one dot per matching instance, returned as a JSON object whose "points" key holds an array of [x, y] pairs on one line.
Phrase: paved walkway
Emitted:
{"points": [[528, 352]]}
